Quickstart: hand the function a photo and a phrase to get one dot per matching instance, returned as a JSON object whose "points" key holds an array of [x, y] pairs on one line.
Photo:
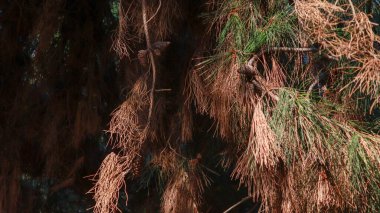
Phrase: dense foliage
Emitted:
{"points": [[210, 101]]}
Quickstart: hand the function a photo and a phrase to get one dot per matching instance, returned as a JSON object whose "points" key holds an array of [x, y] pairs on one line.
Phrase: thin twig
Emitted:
{"points": [[316, 81], [158, 9], [297, 49], [271, 94], [262, 88], [352, 8], [187, 159], [237, 204], [249, 67], [151, 56], [163, 90], [294, 49], [250, 71]]}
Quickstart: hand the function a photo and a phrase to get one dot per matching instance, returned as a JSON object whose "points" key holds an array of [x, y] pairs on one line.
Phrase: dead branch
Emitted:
{"points": [[298, 49], [237, 204], [163, 90], [316, 81], [151, 56], [248, 70], [293, 49], [154, 15], [271, 94]]}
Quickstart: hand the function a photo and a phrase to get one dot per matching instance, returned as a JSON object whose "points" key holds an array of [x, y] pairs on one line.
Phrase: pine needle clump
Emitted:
{"points": [[128, 134], [109, 180], [127, 124], [344, 38]]}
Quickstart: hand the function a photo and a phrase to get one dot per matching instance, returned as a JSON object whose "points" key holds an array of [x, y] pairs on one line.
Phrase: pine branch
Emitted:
{"points": [[154, 15], [316, 81], [247, 70], [352, 8], [293, 49], [297, 49], [151, 56], [237, 204], [271, 94]]}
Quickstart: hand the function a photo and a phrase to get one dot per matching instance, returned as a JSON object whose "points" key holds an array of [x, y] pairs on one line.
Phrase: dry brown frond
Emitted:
{"points": [[197, 92], [315, 14], [123, 38], [180, 195], [320, 20], [136, 166], [127, 126], [224, 92], [163, 14], [262, 145], [263, 185], [275, 76], [128, 133], [289, 194], [354, 41], [166, 160], [368, 79], [257, 167], [324, 190], [186, 183], [220, 109], [362, 37], [109, 180]]}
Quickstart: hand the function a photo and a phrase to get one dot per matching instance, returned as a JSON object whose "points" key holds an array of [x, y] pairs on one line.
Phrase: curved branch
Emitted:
{"points": [[151, 56], [237, 204], [316, 81], [158, 9]]}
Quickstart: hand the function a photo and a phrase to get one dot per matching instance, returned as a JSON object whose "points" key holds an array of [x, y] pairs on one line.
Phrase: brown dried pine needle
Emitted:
{"points": [[262, 145], [127, 127], [320, 20], [179, 195], [109, 180]]}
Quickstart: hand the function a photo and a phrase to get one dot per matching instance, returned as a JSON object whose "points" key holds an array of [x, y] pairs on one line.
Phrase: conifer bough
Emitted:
{"points": [[294, 149]]}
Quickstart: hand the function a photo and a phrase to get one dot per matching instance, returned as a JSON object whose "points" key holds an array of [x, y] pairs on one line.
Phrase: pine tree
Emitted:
{"points": [[211, 101], [291, 88]]}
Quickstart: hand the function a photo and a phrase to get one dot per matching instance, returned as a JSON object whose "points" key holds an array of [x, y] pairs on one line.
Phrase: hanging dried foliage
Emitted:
{"points": [[127, 126], [352, 38], [264, 84], [179, 195], [109, 181]]}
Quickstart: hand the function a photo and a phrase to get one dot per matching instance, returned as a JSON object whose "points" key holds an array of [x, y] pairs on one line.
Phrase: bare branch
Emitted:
{"points": [[294, 49], [151, 56], [237, 204]]}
